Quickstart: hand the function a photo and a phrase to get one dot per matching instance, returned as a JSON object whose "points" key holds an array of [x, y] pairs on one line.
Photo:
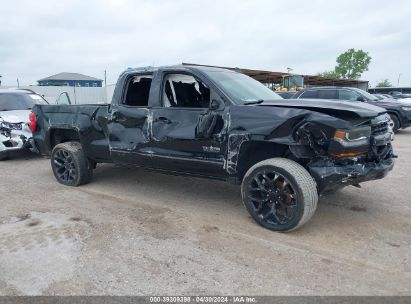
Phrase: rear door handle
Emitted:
{"points": [[164, 120], [117, 116]]}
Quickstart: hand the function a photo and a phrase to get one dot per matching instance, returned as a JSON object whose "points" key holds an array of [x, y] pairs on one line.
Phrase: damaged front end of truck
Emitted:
{"points": [[339, 144], [339, 153]]}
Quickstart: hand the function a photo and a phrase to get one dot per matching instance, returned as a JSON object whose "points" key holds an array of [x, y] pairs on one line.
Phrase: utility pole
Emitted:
{"points": [[399, 77], [75, 96], [18, 83], [105, 85]]}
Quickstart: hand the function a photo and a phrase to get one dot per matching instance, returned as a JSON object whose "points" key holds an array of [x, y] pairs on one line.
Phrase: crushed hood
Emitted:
{"points": [[16, 116], [330, 107]]}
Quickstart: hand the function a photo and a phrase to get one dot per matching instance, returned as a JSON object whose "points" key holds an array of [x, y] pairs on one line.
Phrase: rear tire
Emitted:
{"points": [[70, 165], [279, 194], [396, 122], [4, 156]]}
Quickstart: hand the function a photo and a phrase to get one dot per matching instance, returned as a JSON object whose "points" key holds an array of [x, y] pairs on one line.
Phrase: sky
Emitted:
{"points": [[41, 38]]}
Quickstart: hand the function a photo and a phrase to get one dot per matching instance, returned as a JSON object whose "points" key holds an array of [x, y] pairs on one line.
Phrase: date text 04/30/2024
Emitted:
{"points": [[202, 299]]}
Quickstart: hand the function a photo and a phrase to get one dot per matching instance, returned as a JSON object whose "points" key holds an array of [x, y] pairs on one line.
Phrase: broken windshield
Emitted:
{"points": [[241, 88]]}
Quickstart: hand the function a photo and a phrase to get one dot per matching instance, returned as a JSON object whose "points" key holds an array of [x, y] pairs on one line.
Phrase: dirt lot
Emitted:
{"points": [[131, 232]]}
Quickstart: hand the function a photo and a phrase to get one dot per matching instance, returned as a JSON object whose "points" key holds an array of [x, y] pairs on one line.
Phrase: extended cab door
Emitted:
{"points": [[128, 122], [188, 134]]}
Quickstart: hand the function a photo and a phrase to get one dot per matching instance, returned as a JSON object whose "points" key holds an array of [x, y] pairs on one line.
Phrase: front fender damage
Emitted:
{"points": [[310, 135], [331, 173], [308, 138], [234, 144]]}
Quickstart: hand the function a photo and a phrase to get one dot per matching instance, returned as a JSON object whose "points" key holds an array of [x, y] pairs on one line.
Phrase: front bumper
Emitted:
{"points": [[14, 140], [332, 177]]}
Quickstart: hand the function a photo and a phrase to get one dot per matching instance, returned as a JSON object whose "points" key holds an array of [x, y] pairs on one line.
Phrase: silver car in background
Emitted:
{"points": [[15, 108]]}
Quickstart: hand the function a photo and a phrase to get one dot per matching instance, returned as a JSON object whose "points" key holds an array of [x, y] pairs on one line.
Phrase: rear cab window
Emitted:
{"points": [[138, 91]]}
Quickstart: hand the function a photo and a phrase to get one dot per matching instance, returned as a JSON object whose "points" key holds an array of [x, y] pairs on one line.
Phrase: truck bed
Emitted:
{"points": [[88, 121]]}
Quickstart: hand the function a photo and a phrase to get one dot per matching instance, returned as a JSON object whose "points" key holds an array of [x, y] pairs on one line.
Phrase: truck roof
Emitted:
{"points": [[177, 66]]}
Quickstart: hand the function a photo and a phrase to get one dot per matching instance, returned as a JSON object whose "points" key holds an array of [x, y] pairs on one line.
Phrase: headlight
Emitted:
{"points": [[354, 137], [406, 109], [10, 126]]}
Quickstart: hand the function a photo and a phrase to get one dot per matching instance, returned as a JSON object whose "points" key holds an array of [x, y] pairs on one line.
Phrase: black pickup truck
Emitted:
{"points": [[220, 124]]}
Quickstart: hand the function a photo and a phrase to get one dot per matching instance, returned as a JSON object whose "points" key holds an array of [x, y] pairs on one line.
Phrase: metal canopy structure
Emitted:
{"points": [[277, 77]]}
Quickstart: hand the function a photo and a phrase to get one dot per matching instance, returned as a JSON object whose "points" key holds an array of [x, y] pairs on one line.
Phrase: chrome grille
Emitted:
{"points": [[379, 129]]}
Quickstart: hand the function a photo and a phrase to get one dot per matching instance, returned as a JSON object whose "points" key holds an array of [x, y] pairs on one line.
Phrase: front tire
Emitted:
{"points": [[396, 122], [70, 165], [279, 194]]}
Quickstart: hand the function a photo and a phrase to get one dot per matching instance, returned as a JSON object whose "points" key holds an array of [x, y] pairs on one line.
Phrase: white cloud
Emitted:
{"points": [[41, 38]]}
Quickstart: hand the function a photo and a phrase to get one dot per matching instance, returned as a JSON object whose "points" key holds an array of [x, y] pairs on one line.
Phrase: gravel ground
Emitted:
{"points": [[132, 232]]}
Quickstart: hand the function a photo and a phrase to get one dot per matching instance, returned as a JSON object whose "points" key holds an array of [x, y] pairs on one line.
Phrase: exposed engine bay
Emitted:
{"points": [[345, 157]]}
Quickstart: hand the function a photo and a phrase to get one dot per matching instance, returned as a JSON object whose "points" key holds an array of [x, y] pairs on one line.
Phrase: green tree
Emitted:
{"points": [[384, 84], [328, 74], [352, 63]]}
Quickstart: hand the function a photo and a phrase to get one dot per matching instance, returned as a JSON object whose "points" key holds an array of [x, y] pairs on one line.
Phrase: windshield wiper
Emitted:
{"points": [[254, 102]]}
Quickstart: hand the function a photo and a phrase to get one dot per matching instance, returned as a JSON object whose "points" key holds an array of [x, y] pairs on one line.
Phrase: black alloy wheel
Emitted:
{"points": [[70, 165], [279, 194], [272, 197], [65, 166]]}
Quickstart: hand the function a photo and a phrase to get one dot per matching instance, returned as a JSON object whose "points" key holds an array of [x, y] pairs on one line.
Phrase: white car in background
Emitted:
{"points": [[15, 108]]}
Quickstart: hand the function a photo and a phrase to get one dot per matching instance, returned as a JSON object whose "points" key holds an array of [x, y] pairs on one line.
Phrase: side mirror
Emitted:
{"points": [[360, 98], [216, 105]]}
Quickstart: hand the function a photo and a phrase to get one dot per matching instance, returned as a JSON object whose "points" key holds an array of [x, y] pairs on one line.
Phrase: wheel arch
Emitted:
{"points": [[62, 135], [254, 151]]}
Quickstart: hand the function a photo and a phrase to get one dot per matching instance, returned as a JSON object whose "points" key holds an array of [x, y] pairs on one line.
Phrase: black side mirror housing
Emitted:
{"points": [[360, 98], [216, 105]]}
